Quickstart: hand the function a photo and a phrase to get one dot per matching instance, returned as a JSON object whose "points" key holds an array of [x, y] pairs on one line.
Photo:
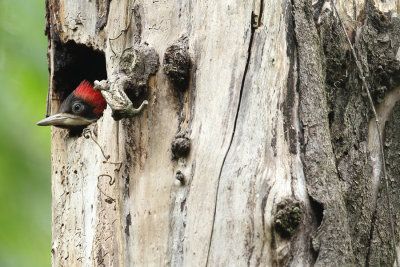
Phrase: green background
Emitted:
{"points": [[25, 185]]}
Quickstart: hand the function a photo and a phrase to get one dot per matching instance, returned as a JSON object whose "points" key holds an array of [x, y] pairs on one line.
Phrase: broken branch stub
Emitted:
{"points": [[180, 146], [177, 64], [136, 65]]}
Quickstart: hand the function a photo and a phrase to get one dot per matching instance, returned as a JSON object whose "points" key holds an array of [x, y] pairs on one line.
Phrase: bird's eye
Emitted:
{"points": [[77, 107]]}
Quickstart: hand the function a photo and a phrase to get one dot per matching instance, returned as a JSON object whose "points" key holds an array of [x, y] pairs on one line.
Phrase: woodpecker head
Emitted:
{"points": [[82, 107]]}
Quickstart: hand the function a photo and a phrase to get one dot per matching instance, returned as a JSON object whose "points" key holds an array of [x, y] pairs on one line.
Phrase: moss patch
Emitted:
{"points": [[287, 217]]}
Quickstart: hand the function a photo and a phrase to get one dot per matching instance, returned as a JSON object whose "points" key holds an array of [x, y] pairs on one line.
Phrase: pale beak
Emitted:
{"points": [[65, 120]]}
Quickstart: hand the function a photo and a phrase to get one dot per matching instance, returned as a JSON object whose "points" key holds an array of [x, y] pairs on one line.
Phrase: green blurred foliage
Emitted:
{"points": [[25, 185]]}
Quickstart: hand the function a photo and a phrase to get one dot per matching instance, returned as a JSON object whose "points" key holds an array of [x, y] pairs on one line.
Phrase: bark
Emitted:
{"points": [[257, 147]]}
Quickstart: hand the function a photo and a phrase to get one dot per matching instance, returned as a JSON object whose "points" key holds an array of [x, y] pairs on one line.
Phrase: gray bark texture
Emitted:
{"points": [[237, 133]]}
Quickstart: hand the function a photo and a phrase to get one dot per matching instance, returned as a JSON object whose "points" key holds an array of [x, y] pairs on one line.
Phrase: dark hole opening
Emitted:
{"points": [[318, 210], [137, 95], [74, 63], [318, 213], [331, 116]]}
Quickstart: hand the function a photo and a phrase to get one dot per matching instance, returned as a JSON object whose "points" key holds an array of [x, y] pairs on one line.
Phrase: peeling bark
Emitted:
{"points": [[332, 240]]}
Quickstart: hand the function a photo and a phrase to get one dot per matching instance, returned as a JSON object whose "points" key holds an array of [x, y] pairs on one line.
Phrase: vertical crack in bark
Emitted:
{"points": [[371, 235], [235, 123], [289, 107]]}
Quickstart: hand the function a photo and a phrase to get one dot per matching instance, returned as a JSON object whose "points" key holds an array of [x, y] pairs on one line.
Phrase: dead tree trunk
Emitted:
{"points": [[258, 146]]}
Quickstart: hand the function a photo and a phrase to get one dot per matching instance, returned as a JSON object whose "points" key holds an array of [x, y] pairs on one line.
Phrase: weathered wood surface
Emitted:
{"points": [[257, 117]]}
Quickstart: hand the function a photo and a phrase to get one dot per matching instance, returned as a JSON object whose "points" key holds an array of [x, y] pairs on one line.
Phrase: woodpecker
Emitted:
{"points": [[82, 107]]}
